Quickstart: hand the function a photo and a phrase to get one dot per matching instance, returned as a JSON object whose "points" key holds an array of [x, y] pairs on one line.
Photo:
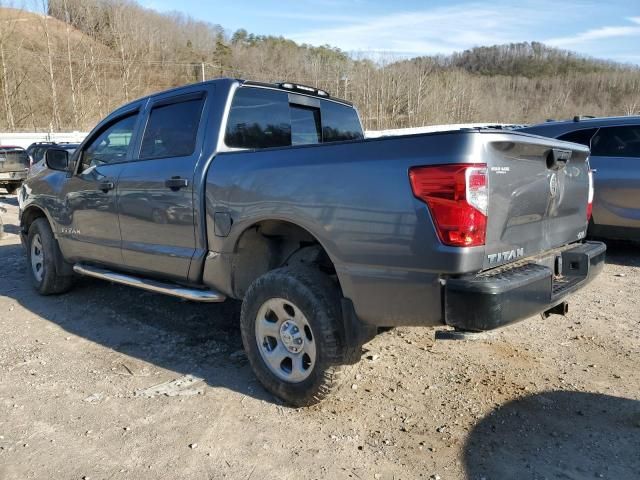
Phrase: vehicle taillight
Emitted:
{"points": [[590, 198], [457, 197]]}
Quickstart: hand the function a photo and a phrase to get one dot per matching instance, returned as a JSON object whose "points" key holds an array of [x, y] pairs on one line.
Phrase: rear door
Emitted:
{"points": [[155, 189], [615, 155]]}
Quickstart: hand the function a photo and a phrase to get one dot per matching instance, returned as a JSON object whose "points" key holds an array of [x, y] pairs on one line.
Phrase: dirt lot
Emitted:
{"points": [[84, 392]]}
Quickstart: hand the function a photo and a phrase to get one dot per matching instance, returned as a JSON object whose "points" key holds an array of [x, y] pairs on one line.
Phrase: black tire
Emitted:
{"points": [[318, 298], [51, 281]]}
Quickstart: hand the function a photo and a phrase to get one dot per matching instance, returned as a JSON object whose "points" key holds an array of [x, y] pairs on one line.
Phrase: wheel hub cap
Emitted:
{"points": [[291, 336], [37, 257], [285, 340]]}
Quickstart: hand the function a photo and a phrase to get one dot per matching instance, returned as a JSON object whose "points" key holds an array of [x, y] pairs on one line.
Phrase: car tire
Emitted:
{"points": [[44, 260], [293, 303]]}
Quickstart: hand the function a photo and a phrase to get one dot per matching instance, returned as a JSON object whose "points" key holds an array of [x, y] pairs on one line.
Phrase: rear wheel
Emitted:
{"points": [[290, 325], [44, 257]]}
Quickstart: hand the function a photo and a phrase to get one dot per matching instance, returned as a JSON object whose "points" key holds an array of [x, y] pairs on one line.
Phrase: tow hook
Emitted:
{"points": [[560, 309]]}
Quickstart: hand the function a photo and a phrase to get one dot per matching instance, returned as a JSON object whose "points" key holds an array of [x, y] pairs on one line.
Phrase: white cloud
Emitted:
{"points": [[598, 34], [314, 17], [439, 30]]}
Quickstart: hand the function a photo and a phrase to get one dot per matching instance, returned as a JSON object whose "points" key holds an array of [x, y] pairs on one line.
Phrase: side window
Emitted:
{"points": [[37, 154], [111, 144], [172, 130], [617, 142], [340, 122], [582, 137], [259, 118], [305, 125]]}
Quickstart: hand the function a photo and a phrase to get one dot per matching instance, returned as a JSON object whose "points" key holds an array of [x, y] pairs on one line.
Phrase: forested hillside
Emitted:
{"points": [[66, 70]]}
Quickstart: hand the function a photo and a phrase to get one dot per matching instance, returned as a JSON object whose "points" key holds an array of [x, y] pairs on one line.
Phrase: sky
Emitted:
{"points": [[607, 29]]}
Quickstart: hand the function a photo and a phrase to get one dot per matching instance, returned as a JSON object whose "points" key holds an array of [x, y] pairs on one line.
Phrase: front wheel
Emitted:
{"points": [[290, 323], [44, 257]]}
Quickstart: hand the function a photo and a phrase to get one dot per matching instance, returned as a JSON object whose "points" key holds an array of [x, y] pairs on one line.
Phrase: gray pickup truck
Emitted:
{"points": [[270, 194]]}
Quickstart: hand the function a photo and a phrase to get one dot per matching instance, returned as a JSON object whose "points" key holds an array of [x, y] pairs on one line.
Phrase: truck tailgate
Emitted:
{"points": [[13, 160], [538, 195]]}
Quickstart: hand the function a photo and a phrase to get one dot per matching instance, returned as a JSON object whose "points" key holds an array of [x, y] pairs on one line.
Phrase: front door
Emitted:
{"points": [[88, 217], [155, 189]]}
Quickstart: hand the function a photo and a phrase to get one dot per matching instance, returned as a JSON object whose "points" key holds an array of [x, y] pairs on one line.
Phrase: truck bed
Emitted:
{"points": [[355, 198]]}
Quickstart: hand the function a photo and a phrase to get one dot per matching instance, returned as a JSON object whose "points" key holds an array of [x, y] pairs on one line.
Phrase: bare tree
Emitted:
{"points": [[88, 56], [48, 64]]}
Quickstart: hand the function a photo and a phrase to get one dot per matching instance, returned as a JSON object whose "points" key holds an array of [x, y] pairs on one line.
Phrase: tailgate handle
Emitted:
{"points": [[557, 158]]}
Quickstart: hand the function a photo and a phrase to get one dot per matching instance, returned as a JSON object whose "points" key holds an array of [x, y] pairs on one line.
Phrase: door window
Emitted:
{"points": [[617, 142], [583, 137], [37, 153], [172, 130], [111, 145]]}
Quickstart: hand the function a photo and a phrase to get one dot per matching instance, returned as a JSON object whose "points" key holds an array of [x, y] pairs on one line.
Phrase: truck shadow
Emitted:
{"points": [[623, 253], [202, 340], [8, 199], [557, 434]]}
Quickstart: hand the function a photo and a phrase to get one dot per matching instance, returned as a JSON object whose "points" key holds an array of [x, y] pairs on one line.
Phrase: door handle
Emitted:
{"points": [[106, 186], [176, 183]]}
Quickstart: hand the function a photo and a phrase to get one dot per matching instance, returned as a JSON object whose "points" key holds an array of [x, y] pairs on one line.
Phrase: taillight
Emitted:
{"points": [[590, 198], [457, 196]]}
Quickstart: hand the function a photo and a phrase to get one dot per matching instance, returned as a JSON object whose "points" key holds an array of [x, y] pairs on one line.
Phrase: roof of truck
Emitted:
{"points": [[228, 80]]}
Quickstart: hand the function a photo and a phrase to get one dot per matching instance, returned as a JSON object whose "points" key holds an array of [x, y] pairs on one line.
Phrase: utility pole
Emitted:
{"points": [[202, 68]]}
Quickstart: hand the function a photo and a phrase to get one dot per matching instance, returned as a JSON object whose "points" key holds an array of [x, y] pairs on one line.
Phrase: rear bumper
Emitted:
{"points": [[492, 300], [13, 177]]}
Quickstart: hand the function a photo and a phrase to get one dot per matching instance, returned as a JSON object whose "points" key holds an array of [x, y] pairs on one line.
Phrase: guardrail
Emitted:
{"points": [[24, 139]]}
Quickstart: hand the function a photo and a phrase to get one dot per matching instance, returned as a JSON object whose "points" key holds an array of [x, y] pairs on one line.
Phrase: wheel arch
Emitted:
{"points": [[29, 215], [268, 244]]}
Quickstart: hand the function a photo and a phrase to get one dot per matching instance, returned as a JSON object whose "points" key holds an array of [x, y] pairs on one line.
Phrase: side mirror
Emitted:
{"points": [[57, 159]]}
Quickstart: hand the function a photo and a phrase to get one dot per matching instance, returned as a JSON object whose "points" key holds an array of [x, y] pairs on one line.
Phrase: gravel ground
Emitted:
{"points": [[109, 382]]}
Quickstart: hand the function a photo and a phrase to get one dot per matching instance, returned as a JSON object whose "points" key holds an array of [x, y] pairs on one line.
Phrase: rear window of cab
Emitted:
{"points": [[264, 118]]}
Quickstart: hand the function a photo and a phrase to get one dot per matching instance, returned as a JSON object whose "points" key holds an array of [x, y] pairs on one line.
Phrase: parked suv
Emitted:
{"points": [[615, 162], [269, 193], [14, 164]]}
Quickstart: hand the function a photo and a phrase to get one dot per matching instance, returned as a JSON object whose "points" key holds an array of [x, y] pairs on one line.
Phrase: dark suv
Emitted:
{"points": [[615, 160]]}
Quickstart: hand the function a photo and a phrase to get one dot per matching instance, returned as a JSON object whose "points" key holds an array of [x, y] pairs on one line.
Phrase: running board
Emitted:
{"points": [[174, 290]]}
